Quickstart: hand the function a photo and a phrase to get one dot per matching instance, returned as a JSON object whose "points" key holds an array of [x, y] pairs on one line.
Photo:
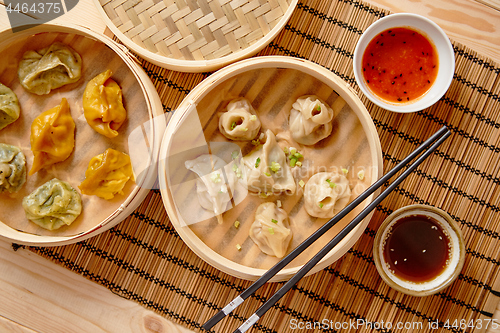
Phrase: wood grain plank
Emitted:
{"points": [[7, 325], [39, 295]]}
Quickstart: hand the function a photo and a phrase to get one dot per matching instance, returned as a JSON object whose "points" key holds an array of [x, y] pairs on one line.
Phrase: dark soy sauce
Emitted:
{"points": [[417, 248]]}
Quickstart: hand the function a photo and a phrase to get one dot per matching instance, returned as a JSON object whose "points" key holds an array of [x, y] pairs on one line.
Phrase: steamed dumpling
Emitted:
{"points": [[310, 120], [12, 168], [53, 205], [267, 169], [240, 122], [49, 68], [52, 136], [103, 105], [214, 192], [107, 174], [271, 230], [9, 106], [326, 193]]}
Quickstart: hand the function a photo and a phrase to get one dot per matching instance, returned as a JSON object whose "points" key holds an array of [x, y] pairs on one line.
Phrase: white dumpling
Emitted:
{"points": [[12, 168], [310, 120], [267, 170], [9, 106], [271, 230], [326, 193], [240, 122], [213, 186], [53, 205], [49, 68]]}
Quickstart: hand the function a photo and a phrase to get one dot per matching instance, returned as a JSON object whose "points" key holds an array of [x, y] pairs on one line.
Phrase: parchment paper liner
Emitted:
{"points": [[272, 92]]}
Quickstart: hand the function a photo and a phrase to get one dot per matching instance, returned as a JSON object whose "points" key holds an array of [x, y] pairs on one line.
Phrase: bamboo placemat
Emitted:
{"points": [[144, 259]]}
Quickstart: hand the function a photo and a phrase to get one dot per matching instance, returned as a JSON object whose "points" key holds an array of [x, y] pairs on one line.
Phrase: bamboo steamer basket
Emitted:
{"points": [[154, 125], [195, 36], [271, 84]]}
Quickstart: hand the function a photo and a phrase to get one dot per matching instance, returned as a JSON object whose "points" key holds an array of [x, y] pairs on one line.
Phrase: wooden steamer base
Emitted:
{"points": [[271, 84], [31, 105]]}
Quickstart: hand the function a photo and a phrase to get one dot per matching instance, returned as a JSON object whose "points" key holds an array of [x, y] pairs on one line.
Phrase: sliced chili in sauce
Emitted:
{"points": [[400, 65]]}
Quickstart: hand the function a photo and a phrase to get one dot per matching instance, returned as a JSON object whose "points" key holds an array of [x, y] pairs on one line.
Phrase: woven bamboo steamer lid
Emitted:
{"points": [[155, 129], [195, 36], [213, 82]]}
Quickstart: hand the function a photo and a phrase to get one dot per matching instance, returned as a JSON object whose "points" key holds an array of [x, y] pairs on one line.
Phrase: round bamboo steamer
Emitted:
{"points": [[215, 90], [196, 36], [155, 129]]}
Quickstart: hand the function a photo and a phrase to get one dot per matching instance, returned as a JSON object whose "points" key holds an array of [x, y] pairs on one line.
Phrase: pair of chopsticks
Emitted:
{"points": [[423, 150]]}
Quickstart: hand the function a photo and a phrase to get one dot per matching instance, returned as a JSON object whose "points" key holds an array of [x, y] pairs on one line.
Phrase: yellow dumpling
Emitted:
{"points": [[107, 174], [103, 105], [52, 136]]}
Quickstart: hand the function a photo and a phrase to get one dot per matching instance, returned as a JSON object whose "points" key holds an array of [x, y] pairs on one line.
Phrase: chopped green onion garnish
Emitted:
{"points": [[293, 161], [361, 174], [274, 221], [215, 177], [233, 125], [271, 231], [285, 150], [256, 142], [301, 183], [234, 154], [253, 117], [257, 162], [238, 246], [275, 166], [293, 150], [243, 129], [267, 174], [345, 171], [318, 107], [278, 203], [235, 168], [320, 205], [298, 155], [332, 185], [236, 224], [299, 163]]}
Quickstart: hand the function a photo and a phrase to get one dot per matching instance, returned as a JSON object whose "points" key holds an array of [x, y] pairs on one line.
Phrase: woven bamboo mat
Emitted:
{"points": [[143, 258]]}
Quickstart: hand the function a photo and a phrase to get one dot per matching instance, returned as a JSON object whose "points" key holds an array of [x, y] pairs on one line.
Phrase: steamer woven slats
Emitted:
{"points": [[144, 259], [238, 24]]}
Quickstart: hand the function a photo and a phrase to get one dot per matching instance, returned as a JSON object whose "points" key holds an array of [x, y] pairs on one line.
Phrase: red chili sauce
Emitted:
{"points": [[400, 65]]}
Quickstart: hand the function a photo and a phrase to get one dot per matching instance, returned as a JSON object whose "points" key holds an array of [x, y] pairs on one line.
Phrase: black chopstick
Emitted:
{"points": [[440, 136], [344, 232]]}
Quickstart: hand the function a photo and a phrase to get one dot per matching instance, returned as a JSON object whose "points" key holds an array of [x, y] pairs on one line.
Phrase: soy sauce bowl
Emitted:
{"points": [[437, 37], [442, 224]]}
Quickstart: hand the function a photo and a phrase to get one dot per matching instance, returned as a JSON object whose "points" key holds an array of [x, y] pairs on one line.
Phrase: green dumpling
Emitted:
{"points": [[9, 106], [49, 68], [53, 205], [12, 168]]}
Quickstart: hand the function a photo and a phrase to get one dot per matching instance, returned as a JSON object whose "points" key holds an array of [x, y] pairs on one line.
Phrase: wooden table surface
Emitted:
{"points": [[37, 295]]}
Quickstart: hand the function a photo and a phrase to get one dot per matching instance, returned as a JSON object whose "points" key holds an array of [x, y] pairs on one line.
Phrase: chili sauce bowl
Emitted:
{"points": [[419, 250], [437, 85]]}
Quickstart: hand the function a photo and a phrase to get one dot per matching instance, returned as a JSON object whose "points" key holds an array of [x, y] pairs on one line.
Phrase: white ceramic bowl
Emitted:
{"points": [[445, 54]]}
